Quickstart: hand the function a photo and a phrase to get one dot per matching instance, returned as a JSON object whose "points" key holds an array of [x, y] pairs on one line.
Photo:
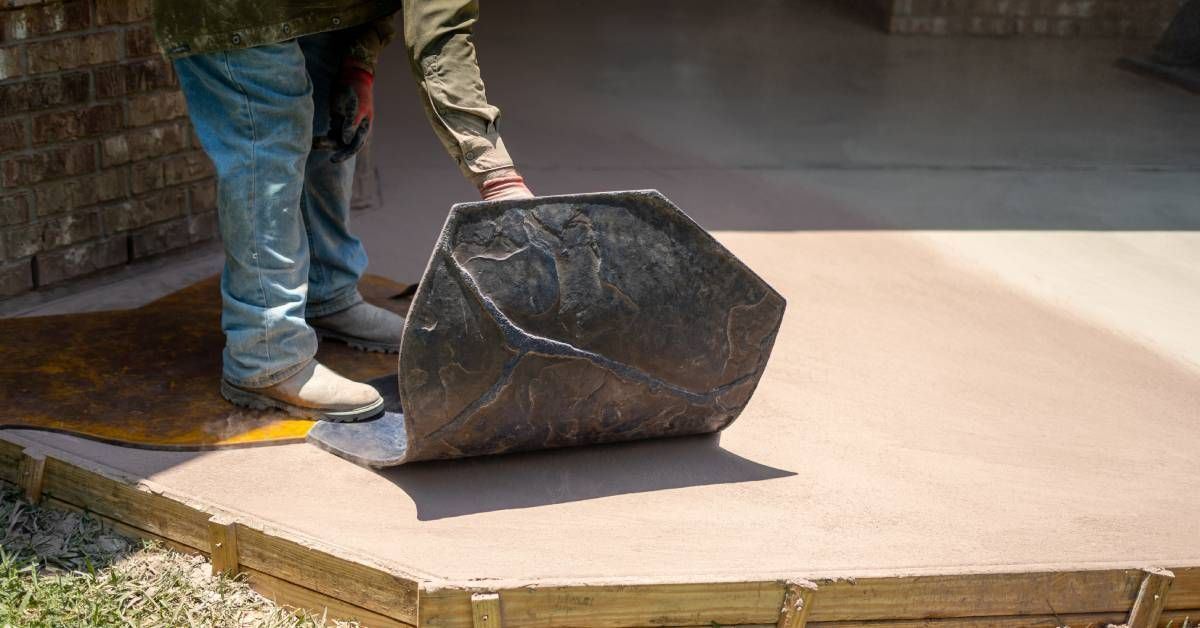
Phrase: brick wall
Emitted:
{"points": [[1054, 18], [98, 164]]}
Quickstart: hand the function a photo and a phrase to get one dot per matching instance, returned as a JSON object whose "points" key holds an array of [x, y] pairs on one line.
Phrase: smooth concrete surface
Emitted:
{"points": [[991, 356], [916, 415], [790, 114]]}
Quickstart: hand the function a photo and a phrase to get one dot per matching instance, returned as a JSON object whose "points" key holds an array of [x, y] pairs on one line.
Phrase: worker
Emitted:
{"points": [[280, 95]]}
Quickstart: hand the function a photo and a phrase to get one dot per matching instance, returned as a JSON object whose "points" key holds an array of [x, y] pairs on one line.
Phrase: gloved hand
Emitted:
{"points": [[352, 111], [503, 185]]}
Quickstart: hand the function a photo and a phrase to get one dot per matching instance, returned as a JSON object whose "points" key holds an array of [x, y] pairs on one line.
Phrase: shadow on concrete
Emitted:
{"points": [[454, 488], [476, 485]]}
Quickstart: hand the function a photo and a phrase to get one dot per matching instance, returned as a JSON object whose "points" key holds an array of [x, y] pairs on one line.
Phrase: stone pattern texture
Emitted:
{"points": [[98, 165], [576, 320], [1048, 18]]}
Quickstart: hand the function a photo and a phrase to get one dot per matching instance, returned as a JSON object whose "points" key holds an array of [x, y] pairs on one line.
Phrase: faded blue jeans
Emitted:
{"points": [[283, 207]]}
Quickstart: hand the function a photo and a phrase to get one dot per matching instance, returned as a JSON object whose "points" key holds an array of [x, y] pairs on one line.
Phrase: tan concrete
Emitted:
{"points": [[1144, 284], [1006, 378], [917, 415]]}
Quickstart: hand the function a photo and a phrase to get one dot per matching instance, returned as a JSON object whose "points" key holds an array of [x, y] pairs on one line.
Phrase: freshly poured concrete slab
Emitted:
{"points": [[934, 402], [920, 413]]}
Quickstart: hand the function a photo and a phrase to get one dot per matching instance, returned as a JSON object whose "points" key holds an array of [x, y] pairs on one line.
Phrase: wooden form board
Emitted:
{"points": [[303, 574], [285, 569]]}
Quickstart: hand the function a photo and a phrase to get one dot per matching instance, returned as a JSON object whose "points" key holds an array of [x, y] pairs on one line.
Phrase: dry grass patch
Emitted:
{"points": [[62, 568]]}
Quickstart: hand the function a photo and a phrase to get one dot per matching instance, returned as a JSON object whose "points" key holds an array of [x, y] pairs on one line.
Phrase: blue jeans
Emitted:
{"points": [[283, 207]]}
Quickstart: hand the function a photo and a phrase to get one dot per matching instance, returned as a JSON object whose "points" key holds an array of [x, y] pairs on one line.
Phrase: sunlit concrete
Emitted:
{"points": [[990, 359], [917, 414]]}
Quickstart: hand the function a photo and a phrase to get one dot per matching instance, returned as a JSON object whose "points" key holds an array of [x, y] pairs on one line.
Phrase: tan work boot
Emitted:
{"points": [[362, 326], [315, 392]]}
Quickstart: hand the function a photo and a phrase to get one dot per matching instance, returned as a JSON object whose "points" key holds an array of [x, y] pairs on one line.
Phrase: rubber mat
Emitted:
{"points": [[150, 376]]}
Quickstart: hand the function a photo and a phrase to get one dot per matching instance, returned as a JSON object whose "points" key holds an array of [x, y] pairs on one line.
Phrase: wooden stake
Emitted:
{"points": [[485, 610], [1151, 599], [222, 537], [31, 473], [797, 600]]}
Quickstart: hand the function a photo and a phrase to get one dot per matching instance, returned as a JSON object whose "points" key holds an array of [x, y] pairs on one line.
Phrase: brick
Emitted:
{"points": [[159, 141], [1061, 18], [12, 135], [61, 196], [145, 211], [16, 4], [193, 139], [114, 151], [64, 89], [203, 227], [186, 167], [134, 77], [47, 19], [81, 259], [140, 42], [62, 161], [45, 235], [142, 76], [15, 209], [1066, 28], [109, 81], [108, 186], [144, 143], [160, 238], [10, 63], [74, 52], [121, 11], [202, 196], [16, 278], [62, 126], [146, 176], [156, 107]]}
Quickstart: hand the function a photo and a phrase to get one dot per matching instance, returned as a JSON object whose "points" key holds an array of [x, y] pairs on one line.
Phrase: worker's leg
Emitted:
{"points": [[252, 109], [338, 259]]}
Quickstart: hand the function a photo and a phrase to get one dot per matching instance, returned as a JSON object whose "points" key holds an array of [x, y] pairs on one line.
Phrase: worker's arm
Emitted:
{"points": [[369, 41], [354, 101], [437, 34]]}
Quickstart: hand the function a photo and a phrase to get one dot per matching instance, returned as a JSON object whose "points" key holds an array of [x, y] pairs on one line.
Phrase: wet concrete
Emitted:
{"points": [[916, 414], [991, 253]]}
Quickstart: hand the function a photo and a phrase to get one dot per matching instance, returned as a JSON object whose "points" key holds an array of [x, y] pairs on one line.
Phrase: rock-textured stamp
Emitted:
{"points": [[575, 320]]}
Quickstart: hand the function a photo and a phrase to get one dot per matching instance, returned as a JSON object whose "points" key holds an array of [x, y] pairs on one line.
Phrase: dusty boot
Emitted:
{"points": [[315, 392], [362, 326]]}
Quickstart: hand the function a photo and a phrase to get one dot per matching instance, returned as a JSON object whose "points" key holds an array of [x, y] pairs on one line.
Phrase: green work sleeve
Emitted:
{"points": [[437, 34], [370, 40]]}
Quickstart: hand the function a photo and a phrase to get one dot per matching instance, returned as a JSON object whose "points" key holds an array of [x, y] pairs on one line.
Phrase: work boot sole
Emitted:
{"points": [[369, 346], [258, 401]]}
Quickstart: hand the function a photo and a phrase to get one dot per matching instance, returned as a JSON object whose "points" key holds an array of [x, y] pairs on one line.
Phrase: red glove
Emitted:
{"points": [[352, 112], [504, 187]]}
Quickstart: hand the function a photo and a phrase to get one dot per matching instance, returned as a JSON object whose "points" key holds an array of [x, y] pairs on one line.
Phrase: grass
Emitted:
{"points": [[62, 568]]}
